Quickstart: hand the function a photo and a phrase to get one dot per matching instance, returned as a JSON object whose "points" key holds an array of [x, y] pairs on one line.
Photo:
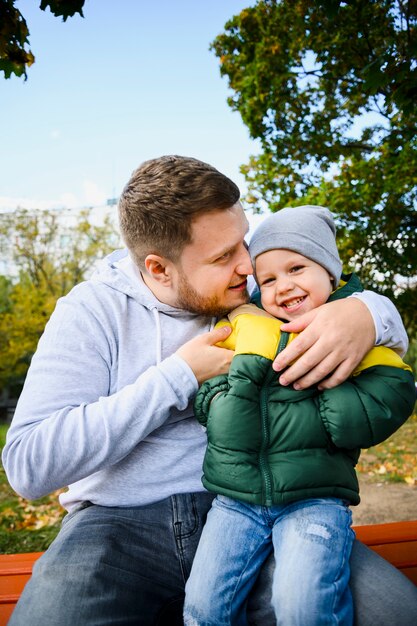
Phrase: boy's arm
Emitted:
{"points": [[335, 338], [207, 392], [253, 332], [372, 405]]}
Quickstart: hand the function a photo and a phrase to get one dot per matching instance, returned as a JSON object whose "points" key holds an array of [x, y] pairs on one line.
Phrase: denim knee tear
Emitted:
{"points": [[315, 531], [319, 530]]}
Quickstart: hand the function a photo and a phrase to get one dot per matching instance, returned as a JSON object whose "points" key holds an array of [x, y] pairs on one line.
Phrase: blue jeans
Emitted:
{"points": [[312, 541], [129, 565]]}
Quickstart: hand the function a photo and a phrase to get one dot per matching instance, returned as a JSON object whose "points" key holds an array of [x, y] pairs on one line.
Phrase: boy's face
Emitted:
{"points": [[290, 283]]}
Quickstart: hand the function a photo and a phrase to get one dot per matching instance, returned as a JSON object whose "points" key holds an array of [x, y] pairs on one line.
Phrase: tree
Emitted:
{"points": [[15, 57], [52, 254], [329, 90]]}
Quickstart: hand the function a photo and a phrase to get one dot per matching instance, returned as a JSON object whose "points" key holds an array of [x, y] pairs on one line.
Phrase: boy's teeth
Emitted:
{"points": [[288, 305]]}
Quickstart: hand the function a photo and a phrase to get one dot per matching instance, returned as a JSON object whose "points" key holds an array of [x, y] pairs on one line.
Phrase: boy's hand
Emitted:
{"points": [[335, 338], [204, 357]]}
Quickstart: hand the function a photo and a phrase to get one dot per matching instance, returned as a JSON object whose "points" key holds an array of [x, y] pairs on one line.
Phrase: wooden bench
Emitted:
{"points": [[396, 542], [15, 571]]}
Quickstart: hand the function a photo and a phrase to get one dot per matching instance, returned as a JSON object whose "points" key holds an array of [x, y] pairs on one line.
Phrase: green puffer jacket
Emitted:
{"points": [[269, 444]]}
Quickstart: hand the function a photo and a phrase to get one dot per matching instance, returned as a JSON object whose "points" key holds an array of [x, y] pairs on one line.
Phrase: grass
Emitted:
{"points": [[31, 526]]}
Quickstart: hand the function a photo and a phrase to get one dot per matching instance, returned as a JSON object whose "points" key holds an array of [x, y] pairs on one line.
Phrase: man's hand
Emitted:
{"points": [[204, 357], [334, 339]]}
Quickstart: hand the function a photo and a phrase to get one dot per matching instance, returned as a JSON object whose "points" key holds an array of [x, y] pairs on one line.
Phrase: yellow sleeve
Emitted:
{"points": [[380, 355], [230, 342], [253, 334]]}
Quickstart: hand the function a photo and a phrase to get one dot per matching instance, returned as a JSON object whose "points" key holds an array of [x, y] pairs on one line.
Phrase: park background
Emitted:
{"points": [[297, 101]]}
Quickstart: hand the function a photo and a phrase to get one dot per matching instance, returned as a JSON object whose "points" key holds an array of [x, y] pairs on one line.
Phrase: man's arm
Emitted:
{"points": [[389, 328], [70, 423], [335, 338]]}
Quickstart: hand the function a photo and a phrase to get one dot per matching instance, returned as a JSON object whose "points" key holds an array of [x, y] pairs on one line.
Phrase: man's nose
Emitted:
{"points": [[244, 265]]}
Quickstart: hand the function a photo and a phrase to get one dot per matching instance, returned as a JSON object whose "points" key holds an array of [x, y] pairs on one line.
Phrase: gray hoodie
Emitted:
{"points": [[107, 405]]}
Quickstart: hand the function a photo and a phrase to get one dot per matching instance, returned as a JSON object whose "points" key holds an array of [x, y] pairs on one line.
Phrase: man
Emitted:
{"points": [[107, 408]]}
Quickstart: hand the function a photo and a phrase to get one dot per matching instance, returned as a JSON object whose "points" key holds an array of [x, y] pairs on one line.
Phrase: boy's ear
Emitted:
{"points": [[332, 281], [159, 268]]}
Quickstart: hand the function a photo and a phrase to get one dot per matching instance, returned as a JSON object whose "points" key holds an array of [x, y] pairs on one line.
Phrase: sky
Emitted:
{"points": [[132, 80]]}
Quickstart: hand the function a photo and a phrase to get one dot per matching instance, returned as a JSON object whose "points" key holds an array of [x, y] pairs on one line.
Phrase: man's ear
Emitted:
{"points": [[159, 269]]}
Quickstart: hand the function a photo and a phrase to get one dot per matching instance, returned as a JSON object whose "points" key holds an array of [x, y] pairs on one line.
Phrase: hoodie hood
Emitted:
{"points": [[119, 272]]}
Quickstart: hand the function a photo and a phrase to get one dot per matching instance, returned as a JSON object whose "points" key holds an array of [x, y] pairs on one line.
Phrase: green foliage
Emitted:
{"points": [[52, 256], [411, 356], [329, 90], [63, 8], [14, 36], [15, 58], [5, 291]]}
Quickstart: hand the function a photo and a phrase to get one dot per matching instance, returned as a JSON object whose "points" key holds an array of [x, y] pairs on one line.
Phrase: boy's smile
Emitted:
{"points": [[290, 283], [291, 305]]}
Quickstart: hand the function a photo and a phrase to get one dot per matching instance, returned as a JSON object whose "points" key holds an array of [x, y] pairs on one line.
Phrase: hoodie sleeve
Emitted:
{"points": [[389, 328], [68, 423]]}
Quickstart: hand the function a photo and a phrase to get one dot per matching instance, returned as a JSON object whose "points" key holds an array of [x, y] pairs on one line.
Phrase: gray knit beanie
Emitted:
{"points": [[308, 230]]}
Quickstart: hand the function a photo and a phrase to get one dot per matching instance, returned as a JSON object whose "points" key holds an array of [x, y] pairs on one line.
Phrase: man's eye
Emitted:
{"points": [[224, 257]]}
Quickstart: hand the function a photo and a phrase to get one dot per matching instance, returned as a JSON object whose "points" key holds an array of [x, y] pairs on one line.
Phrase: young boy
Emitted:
{"points": [[282, 461]]}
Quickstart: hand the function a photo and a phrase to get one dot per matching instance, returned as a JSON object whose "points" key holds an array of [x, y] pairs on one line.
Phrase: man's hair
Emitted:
{"points": [[161, 199]]}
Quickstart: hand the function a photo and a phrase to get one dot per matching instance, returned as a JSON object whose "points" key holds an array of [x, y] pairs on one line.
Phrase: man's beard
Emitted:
{"points": [[190, 300]]}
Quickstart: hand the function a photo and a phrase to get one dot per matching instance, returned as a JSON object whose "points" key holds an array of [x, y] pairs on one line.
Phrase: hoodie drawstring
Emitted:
{"points": [[158, 335], [158, 340]]}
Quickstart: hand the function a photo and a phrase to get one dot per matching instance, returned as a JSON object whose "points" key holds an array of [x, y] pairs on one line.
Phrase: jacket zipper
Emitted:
{"points": [[263, 461]]}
